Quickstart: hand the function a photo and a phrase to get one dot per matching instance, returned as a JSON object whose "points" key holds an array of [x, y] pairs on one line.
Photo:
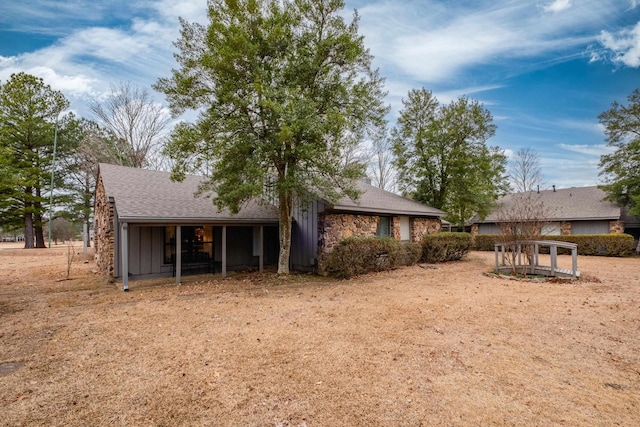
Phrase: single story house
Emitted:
{"points": [[575, 210], [143, 219]]}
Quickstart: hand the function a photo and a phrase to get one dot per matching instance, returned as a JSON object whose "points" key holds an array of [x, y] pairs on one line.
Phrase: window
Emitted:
{"points": [[405, 229], [197, 243], [384, 227]]}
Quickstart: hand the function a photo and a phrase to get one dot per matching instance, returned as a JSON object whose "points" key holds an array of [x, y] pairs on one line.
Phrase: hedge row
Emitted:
{"points": [[443, 247], [359, 255], [614, 245]]}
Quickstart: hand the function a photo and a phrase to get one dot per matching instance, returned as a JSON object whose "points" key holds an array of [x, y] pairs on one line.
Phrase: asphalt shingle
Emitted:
{"points": [[142, 195], [570, 204]]}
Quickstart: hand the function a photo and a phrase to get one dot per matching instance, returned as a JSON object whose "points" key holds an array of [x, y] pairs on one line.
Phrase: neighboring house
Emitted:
{"points": [[576, 210], [143, 219]]}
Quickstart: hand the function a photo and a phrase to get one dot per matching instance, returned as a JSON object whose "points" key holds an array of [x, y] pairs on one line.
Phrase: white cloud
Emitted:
{"points": [[445, 97], [191, 10], [436, 44], [624, 45], [581, 125], [557, 6], [588, 150], [75, 85]]}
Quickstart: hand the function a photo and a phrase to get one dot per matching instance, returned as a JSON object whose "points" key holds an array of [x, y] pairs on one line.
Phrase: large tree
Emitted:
{"points": [[281, 86], [137, 122], [442, 157], [91, 144], [621, 169], [525, 172], [381, 169], [29, 111]]}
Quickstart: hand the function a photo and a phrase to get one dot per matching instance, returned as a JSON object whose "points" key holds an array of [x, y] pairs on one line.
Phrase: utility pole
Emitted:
{"points": [[53, 168]]}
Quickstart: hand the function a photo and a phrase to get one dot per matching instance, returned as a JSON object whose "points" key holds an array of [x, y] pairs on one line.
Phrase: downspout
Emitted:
{"points": [[125, 257]]}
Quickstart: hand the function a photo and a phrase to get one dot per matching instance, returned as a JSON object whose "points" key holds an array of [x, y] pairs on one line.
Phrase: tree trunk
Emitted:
{"points": [[87, 239], [37, 216], [285, 209], [28, 228]]}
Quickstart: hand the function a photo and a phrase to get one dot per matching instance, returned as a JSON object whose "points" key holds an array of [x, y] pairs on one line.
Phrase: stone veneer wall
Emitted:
{"points": [[104, 238], [616, 227], [565, 228], [395, 227], [422, 226], [334, 227]]}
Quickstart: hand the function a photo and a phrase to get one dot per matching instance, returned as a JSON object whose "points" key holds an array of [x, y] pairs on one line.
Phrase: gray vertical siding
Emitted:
{"points": [[146, 251], [489, 228], [590, 227], [304, 235]]}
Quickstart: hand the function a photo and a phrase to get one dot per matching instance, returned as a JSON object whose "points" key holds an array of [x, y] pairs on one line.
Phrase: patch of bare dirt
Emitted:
{"points": [[446, 346]]}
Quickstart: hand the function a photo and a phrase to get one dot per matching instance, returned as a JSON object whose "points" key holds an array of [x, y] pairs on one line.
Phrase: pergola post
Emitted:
{"points": [[124, 251], [178, 254], [261, 250], [224, 251]]}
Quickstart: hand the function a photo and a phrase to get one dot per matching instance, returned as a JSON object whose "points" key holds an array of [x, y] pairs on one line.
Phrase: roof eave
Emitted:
{"points": [[205, 220], [592, 218], [384, 211]]}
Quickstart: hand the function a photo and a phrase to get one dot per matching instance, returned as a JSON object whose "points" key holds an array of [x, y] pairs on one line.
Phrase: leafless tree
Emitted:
{"points": [[70, 256], [137, 122], [525, 172], [521, 217], [381, 164]]}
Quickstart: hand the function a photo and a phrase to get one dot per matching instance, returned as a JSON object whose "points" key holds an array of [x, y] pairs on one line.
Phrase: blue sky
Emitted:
{"points": [[544, 68]]}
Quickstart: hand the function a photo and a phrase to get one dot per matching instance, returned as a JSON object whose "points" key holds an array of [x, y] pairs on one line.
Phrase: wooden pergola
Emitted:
{"points": [[531, 250]]}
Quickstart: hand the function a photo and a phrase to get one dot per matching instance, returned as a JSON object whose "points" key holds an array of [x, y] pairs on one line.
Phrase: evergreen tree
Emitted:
{"points": [[29, 112], [442, 157], [621, 169]]}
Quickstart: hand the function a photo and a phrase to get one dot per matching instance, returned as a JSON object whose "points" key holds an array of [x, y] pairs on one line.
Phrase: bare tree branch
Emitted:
{"points": [[137, 122], [525, 172]]}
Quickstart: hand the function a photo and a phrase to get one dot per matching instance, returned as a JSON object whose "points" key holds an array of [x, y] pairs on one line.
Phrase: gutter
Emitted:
{"points": [[386, 211]]}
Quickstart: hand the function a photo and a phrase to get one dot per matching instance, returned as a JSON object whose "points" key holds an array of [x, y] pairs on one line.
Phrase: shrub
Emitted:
{"points": [[442, 247], [614, 245], [485, 242], [410, 253], [359, 255], [588, 244]]}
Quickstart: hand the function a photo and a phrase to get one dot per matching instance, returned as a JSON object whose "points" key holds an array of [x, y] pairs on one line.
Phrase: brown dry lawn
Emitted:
{"points": [[406, 348]]}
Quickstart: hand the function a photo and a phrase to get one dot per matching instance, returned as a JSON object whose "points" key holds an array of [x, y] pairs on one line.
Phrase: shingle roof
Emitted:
{"points": [[570, 204], [377, 201], [145, 195]]}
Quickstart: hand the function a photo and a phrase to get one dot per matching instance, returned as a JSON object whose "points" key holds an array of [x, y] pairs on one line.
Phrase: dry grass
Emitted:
{"points": [[412, 347]]}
